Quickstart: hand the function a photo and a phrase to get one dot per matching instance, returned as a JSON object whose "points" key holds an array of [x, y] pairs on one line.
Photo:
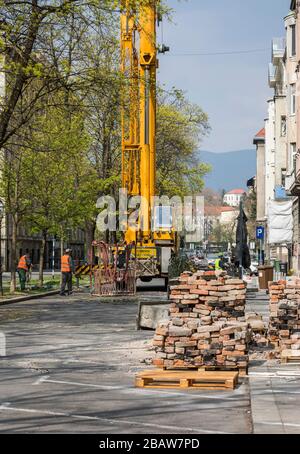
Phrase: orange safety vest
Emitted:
{"points": [[65, 264], [22, 263]]}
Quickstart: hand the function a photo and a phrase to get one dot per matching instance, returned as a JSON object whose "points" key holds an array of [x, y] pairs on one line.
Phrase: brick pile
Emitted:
{"points": [[259, 330], [207, 324], [284, 325]]}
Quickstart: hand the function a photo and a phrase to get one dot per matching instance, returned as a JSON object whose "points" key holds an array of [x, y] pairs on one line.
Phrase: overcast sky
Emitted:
{"points": [[232, 89]]}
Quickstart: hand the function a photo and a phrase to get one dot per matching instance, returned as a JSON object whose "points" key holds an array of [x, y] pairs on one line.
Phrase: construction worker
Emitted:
{"points": [[24, 266], [219, 263], [67, 268]]}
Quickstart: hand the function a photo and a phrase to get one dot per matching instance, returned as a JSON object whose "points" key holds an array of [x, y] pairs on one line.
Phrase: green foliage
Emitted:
{"points": [[178, 264], [60, 127], [181, 126]]}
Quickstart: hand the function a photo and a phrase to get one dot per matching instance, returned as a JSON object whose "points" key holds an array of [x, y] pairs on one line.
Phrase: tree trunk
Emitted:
{"points": [[14, 239], [61, 251], [21, 77], [41, 264], [89, 238]]}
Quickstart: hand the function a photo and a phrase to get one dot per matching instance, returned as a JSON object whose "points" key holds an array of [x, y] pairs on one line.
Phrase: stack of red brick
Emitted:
{"points": [[284, 325], [207, 324]]}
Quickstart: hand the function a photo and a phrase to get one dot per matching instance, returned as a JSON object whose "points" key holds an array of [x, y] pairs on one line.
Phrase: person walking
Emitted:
{"points": [[24, 266], [67, 268]]}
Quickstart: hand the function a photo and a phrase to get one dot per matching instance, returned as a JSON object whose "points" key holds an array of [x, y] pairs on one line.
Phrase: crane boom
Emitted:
{"points": [[139, 68], [148, 65]]}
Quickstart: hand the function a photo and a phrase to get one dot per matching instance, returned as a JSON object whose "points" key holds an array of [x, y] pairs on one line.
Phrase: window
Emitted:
{"points": [[283, 177], [293, 154], [293, 99], [293, 40], [283, 126]]}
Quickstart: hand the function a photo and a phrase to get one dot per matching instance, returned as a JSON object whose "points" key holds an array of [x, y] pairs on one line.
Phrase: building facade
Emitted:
{"points": [[234, 197], [293, 182], [277, 189]]}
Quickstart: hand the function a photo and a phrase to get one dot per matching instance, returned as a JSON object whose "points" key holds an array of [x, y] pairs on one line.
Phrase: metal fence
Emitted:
{"points": [[114, 282]]}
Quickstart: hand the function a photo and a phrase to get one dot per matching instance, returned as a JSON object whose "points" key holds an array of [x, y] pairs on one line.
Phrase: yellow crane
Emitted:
{"points": [[154, 240]]}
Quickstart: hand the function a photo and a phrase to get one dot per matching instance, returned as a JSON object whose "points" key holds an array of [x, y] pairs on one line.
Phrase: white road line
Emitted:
{"points": [[46, 379], [8, 407], [191, 394], [40, 380], [272, 391], [279, 424], [278, 374]]}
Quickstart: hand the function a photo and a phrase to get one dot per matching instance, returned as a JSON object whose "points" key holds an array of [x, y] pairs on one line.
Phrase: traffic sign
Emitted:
{"points": [[260, 233]]}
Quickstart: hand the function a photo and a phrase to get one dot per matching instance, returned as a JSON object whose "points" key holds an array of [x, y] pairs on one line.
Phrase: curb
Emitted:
{"points": [[19, 299]]}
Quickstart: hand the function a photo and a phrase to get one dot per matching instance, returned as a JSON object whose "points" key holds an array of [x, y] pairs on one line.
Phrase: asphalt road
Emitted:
{"points": [[70, 367]]}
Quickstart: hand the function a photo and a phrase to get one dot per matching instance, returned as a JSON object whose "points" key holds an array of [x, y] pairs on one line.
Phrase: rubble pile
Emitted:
{"points": [[207, 326]]}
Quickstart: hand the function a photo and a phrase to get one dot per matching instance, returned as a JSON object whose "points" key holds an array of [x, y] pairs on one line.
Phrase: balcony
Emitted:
{"points": [[291, 184], [290, 181], [278, 49], [272, 75]]}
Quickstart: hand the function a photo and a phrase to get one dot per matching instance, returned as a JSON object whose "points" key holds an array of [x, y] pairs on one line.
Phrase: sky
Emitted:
{"points": [[231, 89]]}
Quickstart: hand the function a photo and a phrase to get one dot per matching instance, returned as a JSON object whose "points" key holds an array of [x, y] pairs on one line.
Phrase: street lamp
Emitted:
{"points": [[1, 218]]}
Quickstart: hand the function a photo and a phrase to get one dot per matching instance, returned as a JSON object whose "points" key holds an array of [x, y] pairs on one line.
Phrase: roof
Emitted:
{"points": [[261, 133], [260, 136], [217, 210], [293, 5], [236, 192]]}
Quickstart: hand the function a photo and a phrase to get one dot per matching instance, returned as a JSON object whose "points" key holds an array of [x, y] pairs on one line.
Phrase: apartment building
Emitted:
{"points": [[234, 197], [293, 182], [277, 197]]}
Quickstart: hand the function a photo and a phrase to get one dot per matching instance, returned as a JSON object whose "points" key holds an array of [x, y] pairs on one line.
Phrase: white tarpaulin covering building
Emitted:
{"points": [[280, 222]]}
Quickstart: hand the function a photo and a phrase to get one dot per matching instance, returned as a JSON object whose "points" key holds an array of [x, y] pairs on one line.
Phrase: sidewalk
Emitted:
{"points": [[274, 387]]}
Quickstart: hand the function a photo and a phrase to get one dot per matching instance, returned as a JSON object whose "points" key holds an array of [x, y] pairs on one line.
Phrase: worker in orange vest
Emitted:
{"points": [[67, 268], [23, 268]]}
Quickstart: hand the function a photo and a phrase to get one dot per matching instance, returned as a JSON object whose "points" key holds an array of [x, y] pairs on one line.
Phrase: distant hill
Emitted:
{"points": [[229, 170]]}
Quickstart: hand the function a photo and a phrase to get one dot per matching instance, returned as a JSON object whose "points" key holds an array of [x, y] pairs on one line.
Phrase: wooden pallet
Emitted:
{"points": [[186, 380], [241, 371], [290, 356]]}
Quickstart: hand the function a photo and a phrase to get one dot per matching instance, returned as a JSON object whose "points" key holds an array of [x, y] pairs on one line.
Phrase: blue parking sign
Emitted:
{"points": [[260, 233]]}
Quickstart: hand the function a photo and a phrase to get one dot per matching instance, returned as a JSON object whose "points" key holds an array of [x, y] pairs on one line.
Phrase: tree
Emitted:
{"points": [[33, 37], [224, 233], [54, 164], [250, 205], [212, 198], [13, 180], [180, 127]]}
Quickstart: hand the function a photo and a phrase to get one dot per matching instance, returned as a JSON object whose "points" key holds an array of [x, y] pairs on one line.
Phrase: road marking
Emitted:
{"points": [[7, 407], [279, 424], [277, 374], [46, 379], [40, 380], [4, 405]]}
